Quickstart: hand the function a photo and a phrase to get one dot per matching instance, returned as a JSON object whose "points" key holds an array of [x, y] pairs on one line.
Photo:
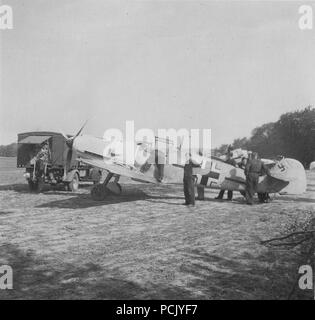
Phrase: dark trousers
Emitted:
{"points": [[221, 194], [263, 197], [40, 168], [189, 190], [251, 186]]}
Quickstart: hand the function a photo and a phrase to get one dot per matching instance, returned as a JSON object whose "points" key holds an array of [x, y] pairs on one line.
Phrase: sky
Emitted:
{"points": [[228, 66]]}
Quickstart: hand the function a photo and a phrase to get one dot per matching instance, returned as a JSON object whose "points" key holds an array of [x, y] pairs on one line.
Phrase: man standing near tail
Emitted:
{"points": [[254, 168]]}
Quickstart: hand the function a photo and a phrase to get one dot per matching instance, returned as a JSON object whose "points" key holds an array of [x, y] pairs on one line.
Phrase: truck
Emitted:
{"points": [[62, 167]]}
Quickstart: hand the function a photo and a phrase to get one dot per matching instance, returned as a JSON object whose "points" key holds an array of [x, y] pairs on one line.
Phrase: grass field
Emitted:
{"points": [[145, 244]]}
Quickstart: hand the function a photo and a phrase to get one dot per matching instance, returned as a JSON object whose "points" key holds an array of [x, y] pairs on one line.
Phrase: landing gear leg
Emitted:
{"points": [[107, 179]]}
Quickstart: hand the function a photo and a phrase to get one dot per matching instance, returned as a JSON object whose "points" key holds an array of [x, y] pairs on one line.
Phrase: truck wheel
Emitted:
{"points": [[74, 184]]}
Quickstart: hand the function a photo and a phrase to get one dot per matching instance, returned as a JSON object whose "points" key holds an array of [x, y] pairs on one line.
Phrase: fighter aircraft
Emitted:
{"points": [[151, 165]]}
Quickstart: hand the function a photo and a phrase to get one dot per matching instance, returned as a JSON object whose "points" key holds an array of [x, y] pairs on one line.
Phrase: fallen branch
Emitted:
{"points": [[292, 244], [288, 236]]}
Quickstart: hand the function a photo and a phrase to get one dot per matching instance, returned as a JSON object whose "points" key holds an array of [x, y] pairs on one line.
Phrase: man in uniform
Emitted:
{"points": [[200, 189], [243, 163], [254, 168], [189, 185], [42, 159]]}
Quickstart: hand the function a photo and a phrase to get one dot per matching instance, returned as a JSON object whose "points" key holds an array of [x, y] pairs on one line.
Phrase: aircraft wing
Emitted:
{"points": [[119, 169]]}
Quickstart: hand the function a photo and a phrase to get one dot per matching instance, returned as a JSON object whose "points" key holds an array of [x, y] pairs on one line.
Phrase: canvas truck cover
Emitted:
{"points": [[30, 142], [34, 139]]}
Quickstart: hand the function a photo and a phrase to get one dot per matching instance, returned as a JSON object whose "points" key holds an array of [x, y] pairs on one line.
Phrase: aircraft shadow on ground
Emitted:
{"points": [[236, 200], [23, 188], [18, 187], [82, 201]]}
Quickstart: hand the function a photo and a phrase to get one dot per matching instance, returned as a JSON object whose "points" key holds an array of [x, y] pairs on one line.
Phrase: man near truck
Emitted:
{"points": [[41, 160]]}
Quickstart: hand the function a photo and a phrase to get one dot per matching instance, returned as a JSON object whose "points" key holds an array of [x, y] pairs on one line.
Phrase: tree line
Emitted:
{"points": [[292, 136], [8, 150]]}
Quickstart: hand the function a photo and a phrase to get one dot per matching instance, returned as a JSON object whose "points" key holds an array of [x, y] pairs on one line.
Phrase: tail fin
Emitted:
{"points": [[292, 171]]}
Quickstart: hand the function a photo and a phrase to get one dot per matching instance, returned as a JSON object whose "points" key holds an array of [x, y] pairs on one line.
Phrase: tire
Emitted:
{"points": [[99, 192], [74, 184]]}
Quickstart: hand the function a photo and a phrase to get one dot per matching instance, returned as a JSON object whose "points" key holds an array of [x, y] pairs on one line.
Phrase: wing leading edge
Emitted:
{"points": [[119, 169]]}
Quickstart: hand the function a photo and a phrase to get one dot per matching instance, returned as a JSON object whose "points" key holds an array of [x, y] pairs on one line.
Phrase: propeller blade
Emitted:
{"points": [[78, 133], [69, 141]]}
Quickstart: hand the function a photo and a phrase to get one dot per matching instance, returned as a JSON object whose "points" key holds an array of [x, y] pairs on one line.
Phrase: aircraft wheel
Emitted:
{"points": [[99, 192], [114, 187]]}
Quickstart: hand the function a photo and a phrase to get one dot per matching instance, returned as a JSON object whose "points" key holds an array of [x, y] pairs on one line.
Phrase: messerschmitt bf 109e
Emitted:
{"points": [[153, 164]]}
